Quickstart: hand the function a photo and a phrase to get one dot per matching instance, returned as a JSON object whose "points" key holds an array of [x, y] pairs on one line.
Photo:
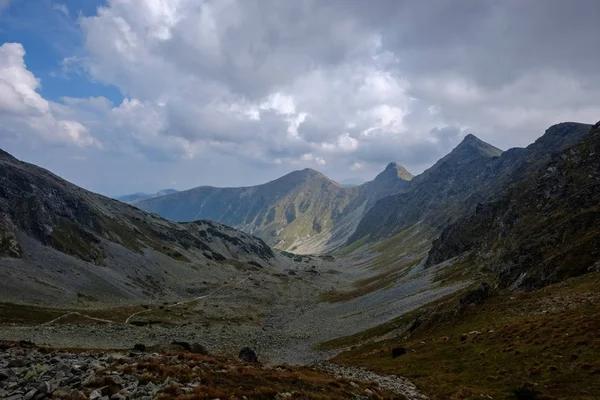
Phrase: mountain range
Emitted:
{"points": [[130, 198], [482, 273], [302, 212]]}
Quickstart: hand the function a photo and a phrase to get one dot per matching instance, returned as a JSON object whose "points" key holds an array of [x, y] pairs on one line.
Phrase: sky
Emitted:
{"points": [[123, 96]]}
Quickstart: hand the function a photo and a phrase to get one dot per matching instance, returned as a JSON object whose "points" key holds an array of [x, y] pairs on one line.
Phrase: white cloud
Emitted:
{"points": [[344, 85], [61, 8], [24, 114]]}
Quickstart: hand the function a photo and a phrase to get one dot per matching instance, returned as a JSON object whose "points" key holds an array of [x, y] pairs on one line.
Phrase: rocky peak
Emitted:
{"points": [[394, 171], [471, 148]]}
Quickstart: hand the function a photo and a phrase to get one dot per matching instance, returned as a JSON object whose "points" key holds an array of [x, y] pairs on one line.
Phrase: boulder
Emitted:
{"points": [[477, 296], [197, 348], [248, 355], [139, 347], [398, 351], [185, 345]]}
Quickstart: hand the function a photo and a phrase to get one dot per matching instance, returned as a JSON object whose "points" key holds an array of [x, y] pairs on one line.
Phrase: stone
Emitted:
{"points": [[117, 396], [29, 395], [398, 351], [6, 374], [248, 355], [185, 345], [197, 348], [139, 347], [95, 395], [477, 296], [18, 363], [48, 387]]}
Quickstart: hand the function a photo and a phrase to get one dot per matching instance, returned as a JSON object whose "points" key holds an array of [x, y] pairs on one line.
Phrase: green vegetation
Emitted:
{"points": [[68, 238], [545, 341]]}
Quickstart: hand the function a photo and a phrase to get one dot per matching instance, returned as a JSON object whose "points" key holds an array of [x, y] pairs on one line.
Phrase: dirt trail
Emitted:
{"points": [[190, 300]]}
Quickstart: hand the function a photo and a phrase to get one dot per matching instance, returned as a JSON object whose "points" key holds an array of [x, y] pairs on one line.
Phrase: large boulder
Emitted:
{"points": [[248, 355]]}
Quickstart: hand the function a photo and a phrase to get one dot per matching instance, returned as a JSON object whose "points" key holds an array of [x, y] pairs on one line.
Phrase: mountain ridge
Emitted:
{"points": [[303, 211], [112, 250], [455, 184]]}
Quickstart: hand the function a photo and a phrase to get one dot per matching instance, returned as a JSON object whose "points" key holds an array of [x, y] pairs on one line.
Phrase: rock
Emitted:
{"points": [[117, 396], [197, 348], [477, 296], [29, 395], [185, 345], [248, 355], [15, 397], [6, 374], [48, 387], [284, 395], [398, 351], [95, 395], [369, 392], [18, 363], [140, 347]]}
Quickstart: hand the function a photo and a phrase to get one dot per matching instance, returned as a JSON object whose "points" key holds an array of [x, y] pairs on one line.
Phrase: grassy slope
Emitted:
{"points": [[546, 341]]}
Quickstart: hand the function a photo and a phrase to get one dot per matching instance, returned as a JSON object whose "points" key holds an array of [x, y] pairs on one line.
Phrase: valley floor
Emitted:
{"points": [[354, 309]]}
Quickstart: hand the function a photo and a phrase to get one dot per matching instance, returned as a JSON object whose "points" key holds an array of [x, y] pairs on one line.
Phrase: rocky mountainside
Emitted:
{"points": [[543, 229], [130, 198], [58, 241], [303, 212], [471, 173]]}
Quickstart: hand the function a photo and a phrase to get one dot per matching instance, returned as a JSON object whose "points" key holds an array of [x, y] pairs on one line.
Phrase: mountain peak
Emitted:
{"points": [[393, 172], [396, 171], [471, 147]]}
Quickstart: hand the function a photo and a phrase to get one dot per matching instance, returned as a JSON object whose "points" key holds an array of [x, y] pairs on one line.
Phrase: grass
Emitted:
{"points": [[461, 271], [219, 377], [546, 341]]}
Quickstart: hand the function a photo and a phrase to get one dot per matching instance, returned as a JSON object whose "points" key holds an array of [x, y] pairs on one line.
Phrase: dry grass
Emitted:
{"points": [[546, 342], [218, 377]]}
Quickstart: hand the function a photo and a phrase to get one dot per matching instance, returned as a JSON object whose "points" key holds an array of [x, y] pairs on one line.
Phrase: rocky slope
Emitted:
{"points": [[28, 373], [473, 172], [545, 228], [58, 242], [303, 212]]}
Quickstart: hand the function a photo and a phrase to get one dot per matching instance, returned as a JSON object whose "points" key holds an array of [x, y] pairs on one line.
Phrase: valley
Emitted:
{"points": [[478, 277]]}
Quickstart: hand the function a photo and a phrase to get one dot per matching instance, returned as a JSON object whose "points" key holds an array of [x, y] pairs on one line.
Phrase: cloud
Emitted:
{"points": [[61, 8], [342, 85], [26, 115]]}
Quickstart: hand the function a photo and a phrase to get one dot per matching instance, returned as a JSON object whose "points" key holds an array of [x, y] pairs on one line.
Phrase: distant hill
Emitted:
{"points": [[303, 211], [130, 198]]}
